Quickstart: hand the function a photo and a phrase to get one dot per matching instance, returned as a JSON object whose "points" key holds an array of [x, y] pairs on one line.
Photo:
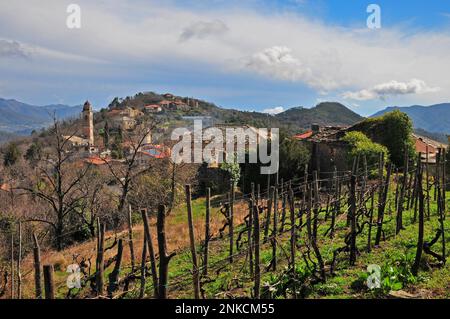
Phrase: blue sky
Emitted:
{"points": [[252, 55]]}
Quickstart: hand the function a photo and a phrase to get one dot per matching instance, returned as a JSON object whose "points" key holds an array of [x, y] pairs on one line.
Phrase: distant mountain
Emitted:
{"points": [[433, 118], [327, 113], [21, 118]]}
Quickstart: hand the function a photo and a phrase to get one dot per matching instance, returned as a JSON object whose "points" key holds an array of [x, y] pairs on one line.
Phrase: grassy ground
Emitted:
{"points": [[395, 256], [225, 280]]}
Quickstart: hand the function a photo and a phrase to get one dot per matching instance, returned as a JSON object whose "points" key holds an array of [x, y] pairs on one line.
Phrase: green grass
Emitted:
{"points": [[347, 282]]}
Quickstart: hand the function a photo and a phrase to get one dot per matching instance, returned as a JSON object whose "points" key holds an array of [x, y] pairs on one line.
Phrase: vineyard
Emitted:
{"points": [[314, 238]]}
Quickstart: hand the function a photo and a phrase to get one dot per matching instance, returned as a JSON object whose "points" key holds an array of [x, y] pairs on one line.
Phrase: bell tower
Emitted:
{"points": [[88, 123]]}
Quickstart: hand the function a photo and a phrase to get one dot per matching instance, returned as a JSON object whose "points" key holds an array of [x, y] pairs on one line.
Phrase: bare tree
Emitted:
{"points": [[126, 172], [55, 183]]}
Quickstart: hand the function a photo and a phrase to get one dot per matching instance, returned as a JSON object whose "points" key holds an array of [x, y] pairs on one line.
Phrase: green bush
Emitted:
{"points": [[392, 130], [362, 146]]}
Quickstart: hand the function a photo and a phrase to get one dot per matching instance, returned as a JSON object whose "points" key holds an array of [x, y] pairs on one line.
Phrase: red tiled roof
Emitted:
{"points": [[303, 136], [95, 160]]}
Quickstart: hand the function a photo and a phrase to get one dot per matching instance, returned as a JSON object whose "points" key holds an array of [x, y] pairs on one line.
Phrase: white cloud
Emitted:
{"points": [[275, 110], [391, 88], [201, 30], [279, 62], [283, 46], [13, 49]]}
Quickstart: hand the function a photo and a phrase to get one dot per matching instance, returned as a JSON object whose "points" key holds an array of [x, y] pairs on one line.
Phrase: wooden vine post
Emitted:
{"points": [[256, 233], [274, 230], [12, 264], [316, 205], [381, 188], [441, 203], [37, 268], [283, 206], [151, 252], [293, 240], [313, 239], [249, 233], [399, 221], [231, 219], [207, 232], [369, 233], [130, 239], [143, 268], [268, 214], [336, 206], [19, 260], [352, 220], [49, 285], [114, 275], [195, 274], [415, 267], [164, 256], [100, 259]]}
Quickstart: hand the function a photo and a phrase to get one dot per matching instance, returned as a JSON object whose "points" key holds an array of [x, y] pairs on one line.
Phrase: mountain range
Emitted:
{"points": [[433, 118], [21, 118], [18, 118]]}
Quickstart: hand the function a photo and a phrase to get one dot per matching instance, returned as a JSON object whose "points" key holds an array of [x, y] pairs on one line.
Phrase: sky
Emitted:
{"points": [[256, 55]]}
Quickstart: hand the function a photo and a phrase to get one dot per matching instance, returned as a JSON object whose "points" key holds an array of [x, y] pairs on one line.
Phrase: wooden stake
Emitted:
{"points": [[143, 269], [114, 275], [293, 241], [274, 230], [231, 220], [257, 261], [164, 256], [207, 235], [37, 268], [12, 264], [269, 214], [130, 239], [316, 205], [415, 267], [151, 252], [195, 276], [48, 282], [249, 235], [100, 261], [369, 235], [19, 260], [352, 213], [399, 220]]}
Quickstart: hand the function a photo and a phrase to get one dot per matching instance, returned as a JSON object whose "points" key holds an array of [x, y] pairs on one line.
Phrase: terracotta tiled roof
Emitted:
{"points": [[302, 136], [95, 160]]}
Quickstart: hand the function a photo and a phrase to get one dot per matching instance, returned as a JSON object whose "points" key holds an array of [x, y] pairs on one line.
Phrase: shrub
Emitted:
{"points": [[392, 130], [11, 154], [361, 145]]}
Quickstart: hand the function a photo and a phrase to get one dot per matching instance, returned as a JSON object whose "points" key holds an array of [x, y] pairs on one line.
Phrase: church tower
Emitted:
{"points": [[88, 123]]}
